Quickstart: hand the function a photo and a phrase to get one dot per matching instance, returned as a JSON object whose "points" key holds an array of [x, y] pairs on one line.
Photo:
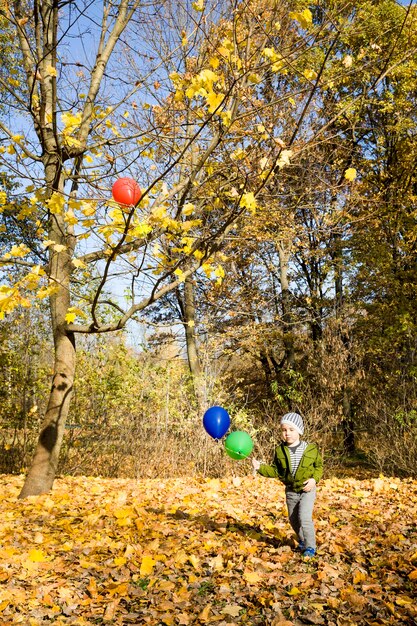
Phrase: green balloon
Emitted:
{"points": [[238, 445]]}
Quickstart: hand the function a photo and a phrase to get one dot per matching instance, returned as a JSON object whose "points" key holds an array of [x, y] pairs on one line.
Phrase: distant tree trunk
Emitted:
{"points": [[186, 302], [284, 256], [348, 424]]}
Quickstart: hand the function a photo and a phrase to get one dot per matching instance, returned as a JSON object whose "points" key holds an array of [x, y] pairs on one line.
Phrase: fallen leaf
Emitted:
{"points": [[252, 577], [232, 609], [147, 566], [37, 556], [204, 616], [294, 591]]}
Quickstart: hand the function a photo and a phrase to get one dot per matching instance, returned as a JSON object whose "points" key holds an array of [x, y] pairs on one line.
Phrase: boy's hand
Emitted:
{"points": [[309, 484], [256, 464]]}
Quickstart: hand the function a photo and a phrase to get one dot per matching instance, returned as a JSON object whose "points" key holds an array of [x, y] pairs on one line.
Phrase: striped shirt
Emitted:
{"points": [[296, 453]]}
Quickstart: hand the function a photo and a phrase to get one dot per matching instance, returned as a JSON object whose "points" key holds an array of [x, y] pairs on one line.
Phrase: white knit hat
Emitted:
{"points": [[294, 420]]}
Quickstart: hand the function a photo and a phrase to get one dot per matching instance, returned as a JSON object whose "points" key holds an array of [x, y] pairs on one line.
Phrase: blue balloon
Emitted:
{"points": [[216, 421]]}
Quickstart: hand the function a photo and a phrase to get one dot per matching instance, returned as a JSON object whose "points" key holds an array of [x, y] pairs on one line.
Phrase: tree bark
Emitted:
{"points": [[348, 423], [187, 306], [44, 465], [284, 256]]}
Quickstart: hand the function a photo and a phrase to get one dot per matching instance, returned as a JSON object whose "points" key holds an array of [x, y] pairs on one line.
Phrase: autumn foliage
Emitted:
{"points": [[188, 551]]}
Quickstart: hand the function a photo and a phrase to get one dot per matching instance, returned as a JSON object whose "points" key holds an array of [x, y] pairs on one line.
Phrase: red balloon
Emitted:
{"points": [[126, 191]]}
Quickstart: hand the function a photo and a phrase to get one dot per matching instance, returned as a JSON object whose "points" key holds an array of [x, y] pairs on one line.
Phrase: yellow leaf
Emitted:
{"points": [[358, 577], [37, 556], [248, 200], [70, 317], [188, 208], [19, 251], [147, 565], [198, 5], [403, 601], [181, 276], [310, 74], [252, 577], [70, 218], [120, 561], [350, 174], [141, 229], [3, 605], [304, 18], [72, 313], [205, 614], [88, 208], [78, 263], [71, 120], [195, 561], [294, 591], [413, 575], [219, 272], [226, 118], [56, 203], [50, 70], [45, 292], [214, 101]]}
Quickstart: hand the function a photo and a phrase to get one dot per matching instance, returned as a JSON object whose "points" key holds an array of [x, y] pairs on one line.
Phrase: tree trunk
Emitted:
{"points": [[42, 471], [44, 465], [187, 306], [348, 423], [284, 256]]}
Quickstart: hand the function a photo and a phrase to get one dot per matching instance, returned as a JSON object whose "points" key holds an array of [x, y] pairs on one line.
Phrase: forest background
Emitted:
{"points": [[270, 264]]}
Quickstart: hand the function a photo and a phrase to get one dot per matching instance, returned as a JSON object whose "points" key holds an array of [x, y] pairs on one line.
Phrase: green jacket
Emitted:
{"points": [[311, 466]]}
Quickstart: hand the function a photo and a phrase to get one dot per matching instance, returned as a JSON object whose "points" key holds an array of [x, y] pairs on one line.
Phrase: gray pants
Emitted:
{"points": [[300, 513]]}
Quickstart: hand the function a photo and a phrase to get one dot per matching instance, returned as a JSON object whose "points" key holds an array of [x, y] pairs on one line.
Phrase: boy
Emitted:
{"points": [[299, 466]]}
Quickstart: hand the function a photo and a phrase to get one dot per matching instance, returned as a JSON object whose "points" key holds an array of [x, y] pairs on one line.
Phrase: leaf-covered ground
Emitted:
{"points": [[188, 551]]}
